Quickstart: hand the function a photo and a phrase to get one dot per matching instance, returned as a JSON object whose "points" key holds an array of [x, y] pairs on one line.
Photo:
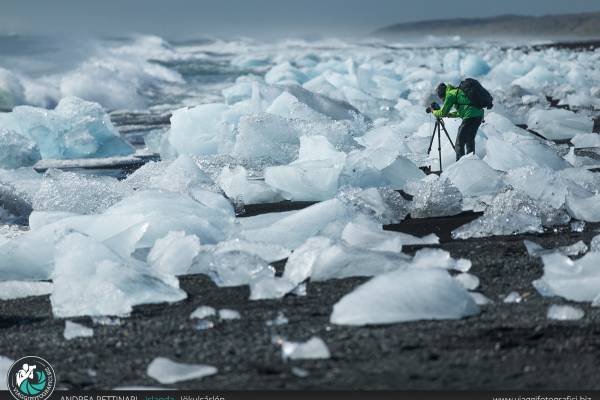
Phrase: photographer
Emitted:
{"points": [[471, 115]]}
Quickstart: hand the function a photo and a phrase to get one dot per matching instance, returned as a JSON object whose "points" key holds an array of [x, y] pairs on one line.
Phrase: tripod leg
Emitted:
{"points": [[432, 137], [447, 135], [440, 146]]}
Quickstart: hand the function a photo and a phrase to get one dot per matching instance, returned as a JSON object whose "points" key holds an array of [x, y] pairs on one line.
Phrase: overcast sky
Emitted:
{"points": [[226, 18]]}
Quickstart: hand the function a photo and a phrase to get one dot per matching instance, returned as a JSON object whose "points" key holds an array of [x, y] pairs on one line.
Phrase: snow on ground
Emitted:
{"points": [[342, 125]]}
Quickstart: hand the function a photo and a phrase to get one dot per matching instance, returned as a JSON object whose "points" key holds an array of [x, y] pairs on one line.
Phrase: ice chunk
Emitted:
{"points": [[267, 135], [240, 189], [557, 124], [379, 167], [5, 364], [167, 371], [584, 208], [280, 319], [473, 65], [577, 280], [595, 244], [387, 206], [564, 313], [226, 314], [201, 130], [575, 249], [511, 212], [203, 312], [90, 279], [208, 216], [181, 175], [17, 150], [473, 177], [518, 151], [578, 226], [321, 259], [370, 236], [313, 176], [513, 297], [480, 299], [582, 140], [293, 229], [285, 73], [468, 281], [434, 197], [313, 349], [267, 251], [538, 77], [405, 295], [540, 184], [74, 129], [174, 253], [297, 102], [270, 287], [438, 258], [19, 289], [78, 193], [74, 330], [233, 268]]}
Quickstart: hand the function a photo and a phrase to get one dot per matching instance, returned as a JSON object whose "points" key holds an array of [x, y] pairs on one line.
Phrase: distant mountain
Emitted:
{"points": [[586, 25]]}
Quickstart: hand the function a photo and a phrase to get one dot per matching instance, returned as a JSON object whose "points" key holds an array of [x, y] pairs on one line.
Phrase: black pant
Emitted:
{"points": [[466, 136]]}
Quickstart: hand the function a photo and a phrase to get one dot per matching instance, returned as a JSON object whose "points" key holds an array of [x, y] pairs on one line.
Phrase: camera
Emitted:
{"points": [[432, 106]]}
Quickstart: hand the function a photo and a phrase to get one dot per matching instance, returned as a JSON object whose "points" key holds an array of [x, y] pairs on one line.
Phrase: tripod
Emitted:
{"points": [[439, 126]]}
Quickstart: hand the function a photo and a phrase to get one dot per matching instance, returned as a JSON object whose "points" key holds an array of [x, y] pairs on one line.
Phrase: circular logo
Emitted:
{"points": [[31, 378]]}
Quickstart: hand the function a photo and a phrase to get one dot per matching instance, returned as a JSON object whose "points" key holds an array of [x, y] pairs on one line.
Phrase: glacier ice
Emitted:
{"points": [[512, 212], [595, 244], [515, 151], [313, 176], [19, 289], [468, 281], [74, 330], [575, 249], [584, 208], [270, 287], [280, 319], [473, 177], [439, 258], [201, 130], [480, 299], [322, 259], [74, 129], [513, 297], [558, 123], [168, 371], [17, 150], [174, 253], [267, 135], [241, 190], [293, 229], [90, 279], [232, 268], [582, 140], [77, 193], [564, 313], [203, 312], [405, 295], [434, 197], [227, 314], [313, 349], [577, 280], [540, 184]]}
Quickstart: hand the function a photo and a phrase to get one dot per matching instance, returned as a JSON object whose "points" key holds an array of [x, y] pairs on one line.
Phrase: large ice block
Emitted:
{"points": [[405, 295], [74, 129]]}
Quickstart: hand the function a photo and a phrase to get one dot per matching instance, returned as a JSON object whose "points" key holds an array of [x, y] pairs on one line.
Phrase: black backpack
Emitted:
{"points": [[476, 93]]}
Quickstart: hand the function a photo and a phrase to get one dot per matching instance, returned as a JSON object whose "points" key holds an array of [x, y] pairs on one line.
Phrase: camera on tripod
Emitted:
{"points": [[433, 106]]}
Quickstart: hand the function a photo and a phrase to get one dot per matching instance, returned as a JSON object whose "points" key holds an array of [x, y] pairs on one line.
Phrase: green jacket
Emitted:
{"points": [[458, 99]]}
